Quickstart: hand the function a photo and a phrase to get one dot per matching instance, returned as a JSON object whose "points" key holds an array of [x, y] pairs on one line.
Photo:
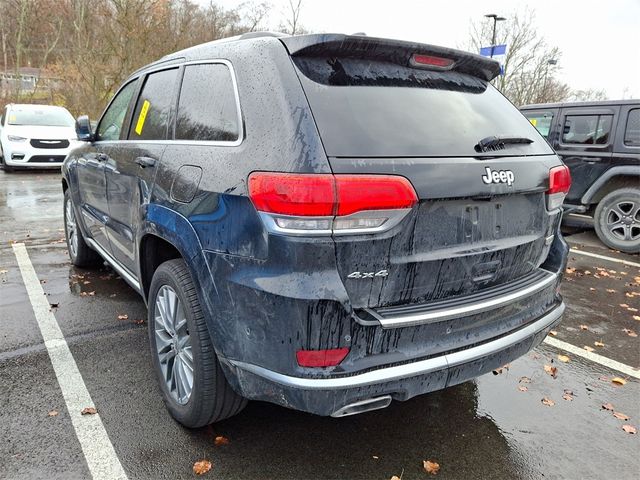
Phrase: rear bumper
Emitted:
{"points": [[331, 394]]}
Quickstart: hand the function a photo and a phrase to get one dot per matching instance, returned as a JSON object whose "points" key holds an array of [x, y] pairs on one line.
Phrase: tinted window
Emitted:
{"points": [[112, 120], [632, 131], [380, 109], [541, 120], [151, 116], [587, 129], [207, 107]]}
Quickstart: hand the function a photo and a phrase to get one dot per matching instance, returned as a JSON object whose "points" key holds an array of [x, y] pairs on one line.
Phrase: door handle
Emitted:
{"points": [[102, 157], [145, 162]]}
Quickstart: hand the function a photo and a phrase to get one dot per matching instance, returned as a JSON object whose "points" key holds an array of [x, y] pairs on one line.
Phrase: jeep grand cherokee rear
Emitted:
{"points": [[385, 224]]}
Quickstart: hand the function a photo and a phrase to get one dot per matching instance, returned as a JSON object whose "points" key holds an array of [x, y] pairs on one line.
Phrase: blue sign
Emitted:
{"points": [[497, 50]]}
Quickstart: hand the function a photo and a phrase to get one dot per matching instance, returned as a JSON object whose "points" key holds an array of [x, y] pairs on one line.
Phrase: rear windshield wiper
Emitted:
{"points": [[491, 144]]}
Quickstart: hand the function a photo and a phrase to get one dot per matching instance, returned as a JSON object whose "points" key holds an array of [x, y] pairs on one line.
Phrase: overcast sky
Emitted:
{"points": [[599, 39]]}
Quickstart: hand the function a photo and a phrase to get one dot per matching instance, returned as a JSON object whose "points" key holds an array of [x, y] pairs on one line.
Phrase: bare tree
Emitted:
{"points": [[530, 64], [588, 95], [292, 24]]}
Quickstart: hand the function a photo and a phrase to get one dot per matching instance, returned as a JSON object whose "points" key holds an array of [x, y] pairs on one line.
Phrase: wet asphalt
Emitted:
{"points": [[487, 428]]}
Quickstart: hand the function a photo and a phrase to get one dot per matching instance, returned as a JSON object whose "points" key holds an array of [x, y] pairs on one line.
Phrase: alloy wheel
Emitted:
{"points": [[72, 230], [173, 344], [623, 220]]}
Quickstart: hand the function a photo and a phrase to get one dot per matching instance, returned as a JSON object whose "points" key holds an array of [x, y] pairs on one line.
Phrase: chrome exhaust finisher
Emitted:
{"points": [[363, 406]]}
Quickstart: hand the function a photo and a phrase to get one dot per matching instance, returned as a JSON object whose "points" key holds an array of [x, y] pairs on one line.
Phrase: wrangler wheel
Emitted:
{"points": [[617, 220]]}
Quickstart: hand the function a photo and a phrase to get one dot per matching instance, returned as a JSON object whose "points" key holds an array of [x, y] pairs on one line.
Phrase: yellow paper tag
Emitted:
{"points": [[142, 117], [12, 118], [533, 121]]}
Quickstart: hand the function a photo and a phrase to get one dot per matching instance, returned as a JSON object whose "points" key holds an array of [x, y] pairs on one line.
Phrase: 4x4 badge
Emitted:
{"points": [[498, 176], [381, 273]]}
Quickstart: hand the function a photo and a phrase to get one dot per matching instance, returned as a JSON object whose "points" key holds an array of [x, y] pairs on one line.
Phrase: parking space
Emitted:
{"points": [[494, 427]]}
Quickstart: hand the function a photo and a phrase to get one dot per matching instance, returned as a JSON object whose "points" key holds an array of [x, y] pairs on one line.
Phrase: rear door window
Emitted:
{"points": [[632, 130], [369, 108], [151, 116], [541, 120], [207, 108], [587, 129]]}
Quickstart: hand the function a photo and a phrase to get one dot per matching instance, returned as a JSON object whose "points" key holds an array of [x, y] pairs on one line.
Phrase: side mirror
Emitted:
{"points": [[83, 129]]}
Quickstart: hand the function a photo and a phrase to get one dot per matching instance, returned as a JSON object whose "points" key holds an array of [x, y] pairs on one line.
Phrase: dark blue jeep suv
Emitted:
{"points": [[326, 222]]}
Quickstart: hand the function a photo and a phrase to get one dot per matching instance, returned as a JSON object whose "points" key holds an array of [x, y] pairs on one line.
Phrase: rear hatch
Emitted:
{"points": [[429, 114]]}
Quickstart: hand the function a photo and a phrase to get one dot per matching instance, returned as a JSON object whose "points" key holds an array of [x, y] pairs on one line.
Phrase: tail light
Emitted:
{"points": [[559, 185], [325, 204], [321, 358]]}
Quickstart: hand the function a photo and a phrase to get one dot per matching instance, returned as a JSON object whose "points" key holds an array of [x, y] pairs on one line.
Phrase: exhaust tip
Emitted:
{"points": [[363, 406]]}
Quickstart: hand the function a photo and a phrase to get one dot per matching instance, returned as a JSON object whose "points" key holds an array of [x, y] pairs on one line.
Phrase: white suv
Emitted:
{"points": [[36, 136]]}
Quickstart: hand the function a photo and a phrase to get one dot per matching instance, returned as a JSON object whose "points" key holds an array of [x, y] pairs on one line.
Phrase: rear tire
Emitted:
{"points": [[193, 385], [80, 253], [617, 220]]}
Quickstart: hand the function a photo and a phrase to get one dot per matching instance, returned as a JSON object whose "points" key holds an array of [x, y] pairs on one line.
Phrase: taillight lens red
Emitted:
{"points": [[559, 180], [432, 61], [357, 193], [293, 194], [327, 194], [321, 358]]}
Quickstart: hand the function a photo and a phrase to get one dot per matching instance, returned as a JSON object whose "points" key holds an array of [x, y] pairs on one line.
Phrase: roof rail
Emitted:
{"points": [[247, 35]]}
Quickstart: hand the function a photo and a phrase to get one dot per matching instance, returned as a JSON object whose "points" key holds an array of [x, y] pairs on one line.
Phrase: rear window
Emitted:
{"points": [[632, 131], [587, 129], [379, 109]]}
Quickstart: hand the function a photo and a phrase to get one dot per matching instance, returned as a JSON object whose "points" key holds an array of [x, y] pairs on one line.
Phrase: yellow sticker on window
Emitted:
{"points": [[142, 117], [12, 118], [533, 121]]}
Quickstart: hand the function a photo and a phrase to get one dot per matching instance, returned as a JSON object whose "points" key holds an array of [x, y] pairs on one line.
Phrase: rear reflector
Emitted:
{"points": [[321, 358], [559, 185], [419, 60]]}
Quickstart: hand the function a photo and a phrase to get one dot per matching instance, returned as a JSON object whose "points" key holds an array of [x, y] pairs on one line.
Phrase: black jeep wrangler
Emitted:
{"points": [[600, 143]]}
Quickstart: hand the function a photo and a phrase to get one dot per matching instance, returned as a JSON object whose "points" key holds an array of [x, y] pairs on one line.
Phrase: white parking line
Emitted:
{"points": [[602, 257], [594, 357], [97, 448]]}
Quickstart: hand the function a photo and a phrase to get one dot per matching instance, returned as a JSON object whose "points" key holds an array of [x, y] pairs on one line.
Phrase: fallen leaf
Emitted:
{"points": [[588, 348], [395, 477], [86, 282], [548, 402], [592, 289], [621, 416], [522, 388], [563, 358], [524, 380], [553, 333], [140, 321], [630, 295], [2, 272], [92, 293], [53, 413], [624, 305], [123, 316], [619, 381], [431, 467], [611, 290], [201, 467], [375, 457], [629, 429], [567, 396], [636, 317], [553, 371], [571, 270], [630, 332], [220, 440], [584, 327], [608, 406], [587, 272], [89, 411], [598, 344]]}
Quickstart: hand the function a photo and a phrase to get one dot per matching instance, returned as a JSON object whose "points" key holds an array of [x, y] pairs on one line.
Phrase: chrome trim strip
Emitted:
{"points": [[407, 370], [449, 313], [114, 264]]}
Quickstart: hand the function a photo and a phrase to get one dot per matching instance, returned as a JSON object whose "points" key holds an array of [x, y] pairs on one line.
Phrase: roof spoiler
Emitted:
{"points": [[395, 51]]}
